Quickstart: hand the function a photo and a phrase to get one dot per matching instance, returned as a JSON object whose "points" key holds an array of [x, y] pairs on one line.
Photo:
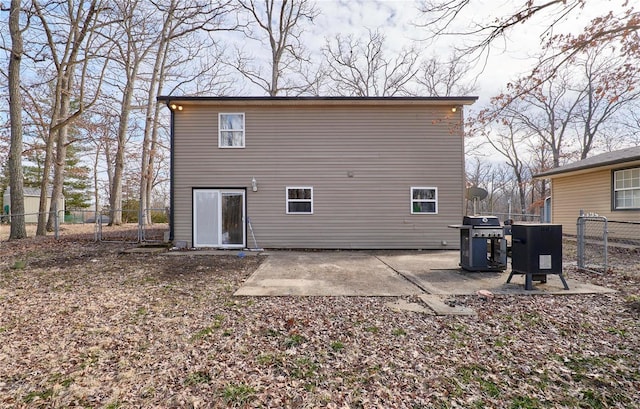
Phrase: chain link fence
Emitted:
{"points": [[516, 217], [592, 245], [624, 244], [606, 245], [149, 226]]}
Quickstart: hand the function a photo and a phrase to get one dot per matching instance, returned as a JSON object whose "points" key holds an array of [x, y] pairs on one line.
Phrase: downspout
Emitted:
{"points": [[171, 173]]}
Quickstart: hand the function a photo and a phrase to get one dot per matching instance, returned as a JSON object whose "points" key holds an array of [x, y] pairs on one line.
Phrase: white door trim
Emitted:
{"points": [[218, 227]]}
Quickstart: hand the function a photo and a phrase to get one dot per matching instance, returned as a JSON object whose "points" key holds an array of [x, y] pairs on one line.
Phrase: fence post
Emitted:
{"points": [[605, 239], [56, 222], [580, 239], [97, 226], [141, 222], [596, 239]]}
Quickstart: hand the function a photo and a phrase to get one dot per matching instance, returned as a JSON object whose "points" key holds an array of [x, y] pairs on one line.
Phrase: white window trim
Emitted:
{"points": [[220, 130], [622, 189], [412, 200], [287, 200]]}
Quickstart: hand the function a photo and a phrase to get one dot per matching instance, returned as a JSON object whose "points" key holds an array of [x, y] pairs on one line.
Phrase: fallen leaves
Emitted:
{"points": [[85, 325]]}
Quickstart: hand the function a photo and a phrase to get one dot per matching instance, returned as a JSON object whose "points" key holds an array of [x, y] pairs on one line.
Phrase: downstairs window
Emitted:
{"points": [[299, 200], [424, 200], [626, 189]]}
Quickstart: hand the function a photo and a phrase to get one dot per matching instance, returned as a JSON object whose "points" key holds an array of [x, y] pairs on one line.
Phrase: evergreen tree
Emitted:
{"points": [[32, 165], [4, 184], [77, 182]]}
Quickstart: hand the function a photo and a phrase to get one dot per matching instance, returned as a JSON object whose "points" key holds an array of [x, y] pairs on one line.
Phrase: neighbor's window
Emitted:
{"points": [[231, 130], [626, 189], [424, 200], [299, 200]]}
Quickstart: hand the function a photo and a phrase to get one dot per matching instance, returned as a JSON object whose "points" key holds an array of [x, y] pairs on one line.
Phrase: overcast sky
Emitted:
{"points": [[398, 19]]}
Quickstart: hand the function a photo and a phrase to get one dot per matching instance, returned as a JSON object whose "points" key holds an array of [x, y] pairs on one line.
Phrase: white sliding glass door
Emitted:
{"points": [[218, 218]]}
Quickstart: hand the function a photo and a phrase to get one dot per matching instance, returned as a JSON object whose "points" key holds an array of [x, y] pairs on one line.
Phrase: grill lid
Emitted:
{"points": [[480, 221]]}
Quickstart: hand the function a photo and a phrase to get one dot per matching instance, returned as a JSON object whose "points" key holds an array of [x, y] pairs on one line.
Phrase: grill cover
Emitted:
{"points": [[480, 221]]}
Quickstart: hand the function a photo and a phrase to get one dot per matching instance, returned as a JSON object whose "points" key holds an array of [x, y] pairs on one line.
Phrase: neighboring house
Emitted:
{"points": [[607, 184], [314, 172], [32, 203]]}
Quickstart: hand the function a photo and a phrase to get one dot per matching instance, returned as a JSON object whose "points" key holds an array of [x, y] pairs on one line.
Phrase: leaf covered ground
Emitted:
{"points": [[87, 325]]}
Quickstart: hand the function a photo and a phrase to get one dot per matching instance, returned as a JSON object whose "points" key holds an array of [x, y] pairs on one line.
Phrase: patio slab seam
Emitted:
{"points": [[336, 273]]}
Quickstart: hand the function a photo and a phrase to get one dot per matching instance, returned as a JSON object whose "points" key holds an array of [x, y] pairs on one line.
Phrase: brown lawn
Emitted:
{"points": [[83, 324]]}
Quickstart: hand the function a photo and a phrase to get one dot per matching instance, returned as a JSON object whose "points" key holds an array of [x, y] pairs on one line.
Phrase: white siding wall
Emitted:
{"points": [[386, 149]]}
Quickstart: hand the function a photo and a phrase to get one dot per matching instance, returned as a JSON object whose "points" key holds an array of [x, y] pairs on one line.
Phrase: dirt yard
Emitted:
{"points": [[87, 325]]}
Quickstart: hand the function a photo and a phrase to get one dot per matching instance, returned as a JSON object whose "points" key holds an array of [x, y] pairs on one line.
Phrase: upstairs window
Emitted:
{"points": [[424, 200], [231, 130], [626, 189], [299, 200]]}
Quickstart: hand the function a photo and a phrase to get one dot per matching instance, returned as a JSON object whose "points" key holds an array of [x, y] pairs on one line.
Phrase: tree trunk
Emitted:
{"points": [[150, 127], [44, 184], [58, 177], [115, 199], [96, 192], [60, 117], [146, 182], [522, 193], [16, 182], [61, 149]]}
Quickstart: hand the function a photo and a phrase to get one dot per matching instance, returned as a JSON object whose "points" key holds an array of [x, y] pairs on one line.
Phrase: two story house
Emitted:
{"points": [[317, 172]]}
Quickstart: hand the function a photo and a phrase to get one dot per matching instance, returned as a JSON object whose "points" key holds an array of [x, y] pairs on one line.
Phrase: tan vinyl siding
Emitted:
{"points": [[589, 191], [386, 149], [32, 207]]}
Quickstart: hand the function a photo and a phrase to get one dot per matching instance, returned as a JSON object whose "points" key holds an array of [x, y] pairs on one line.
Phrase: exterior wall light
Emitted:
{"points": [[175, 107], [454, 109], [254, 184]]}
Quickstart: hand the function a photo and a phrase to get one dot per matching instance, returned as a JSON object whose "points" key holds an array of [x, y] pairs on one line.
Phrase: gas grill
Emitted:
{"points": [[482, 244], [483, 226]]}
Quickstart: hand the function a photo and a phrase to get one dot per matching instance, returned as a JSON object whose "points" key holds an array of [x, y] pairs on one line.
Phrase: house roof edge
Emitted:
{"points": [[618, 157], [459, 100]]}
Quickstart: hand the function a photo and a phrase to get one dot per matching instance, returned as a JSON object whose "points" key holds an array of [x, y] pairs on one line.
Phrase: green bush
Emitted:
{"points": [[130, 209], [159, 216]]}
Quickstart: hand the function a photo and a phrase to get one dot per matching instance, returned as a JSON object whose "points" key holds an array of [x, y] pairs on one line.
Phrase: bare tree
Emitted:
{"points": [[548, 111], [18, 229], [537, 128], [137, 35], [569, 110], [278, 24], [497, 179], [477, 172], [508, 139], [180, 19], [630, 123], [444, 77], [153, 41], [440, 17], [100, 128], [540, 160], [360, 68], [610, 84], [67, 45]]}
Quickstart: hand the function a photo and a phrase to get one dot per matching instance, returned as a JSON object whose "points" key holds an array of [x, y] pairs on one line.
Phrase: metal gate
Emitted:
{"points": [[134, 229], [592, 232]]}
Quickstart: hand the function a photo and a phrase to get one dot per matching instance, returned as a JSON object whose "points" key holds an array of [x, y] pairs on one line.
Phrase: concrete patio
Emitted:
{"points": [[387, 273]]}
